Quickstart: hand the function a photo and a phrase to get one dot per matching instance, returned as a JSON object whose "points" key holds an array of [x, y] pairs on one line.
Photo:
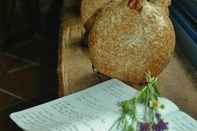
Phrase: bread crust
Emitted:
{"points": [[126, 44], [89, 9]]}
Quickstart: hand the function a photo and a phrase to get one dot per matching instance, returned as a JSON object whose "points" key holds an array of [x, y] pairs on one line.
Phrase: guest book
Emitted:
{"points": [[94, 109]]}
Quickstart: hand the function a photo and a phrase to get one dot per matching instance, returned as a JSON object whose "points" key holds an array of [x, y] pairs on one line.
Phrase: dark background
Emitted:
{"points": [[28, 55]]}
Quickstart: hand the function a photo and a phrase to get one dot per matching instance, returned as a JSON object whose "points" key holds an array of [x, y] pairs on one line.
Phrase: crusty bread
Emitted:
{"points": [[89, 9], [125, 43]]}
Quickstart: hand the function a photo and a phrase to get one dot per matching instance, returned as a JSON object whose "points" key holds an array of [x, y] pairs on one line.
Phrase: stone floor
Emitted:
{"points": [[27, 77]]}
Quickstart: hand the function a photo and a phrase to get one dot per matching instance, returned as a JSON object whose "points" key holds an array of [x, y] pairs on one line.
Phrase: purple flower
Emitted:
{"points": [[161, 126], [144, 126]]}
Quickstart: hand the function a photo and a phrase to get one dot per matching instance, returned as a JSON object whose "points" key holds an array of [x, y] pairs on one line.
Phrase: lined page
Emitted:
{"points": [[169, 106], [94, 109], [180, 121]]}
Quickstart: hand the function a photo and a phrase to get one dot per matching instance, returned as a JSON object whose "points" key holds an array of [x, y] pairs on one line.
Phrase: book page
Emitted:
{"points": [[169, 106], [94, 109], [180, 121]]}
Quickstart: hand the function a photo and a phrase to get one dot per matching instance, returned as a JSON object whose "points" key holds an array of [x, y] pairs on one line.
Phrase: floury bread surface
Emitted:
{"points": [[125, 42], [89, 10]]}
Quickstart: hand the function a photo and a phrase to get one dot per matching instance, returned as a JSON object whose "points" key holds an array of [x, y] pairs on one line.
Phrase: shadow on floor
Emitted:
{"points": [[27, 77]]}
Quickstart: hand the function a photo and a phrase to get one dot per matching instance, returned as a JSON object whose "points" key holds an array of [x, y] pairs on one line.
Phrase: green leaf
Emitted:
{"points": [[149, 93], [162, 106]]}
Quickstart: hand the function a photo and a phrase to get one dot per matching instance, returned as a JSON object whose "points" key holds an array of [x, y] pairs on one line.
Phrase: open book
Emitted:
{"points": [[93, 109]]}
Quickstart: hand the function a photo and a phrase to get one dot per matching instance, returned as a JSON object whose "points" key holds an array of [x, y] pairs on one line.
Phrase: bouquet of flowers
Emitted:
{"points": [[149, 98]]}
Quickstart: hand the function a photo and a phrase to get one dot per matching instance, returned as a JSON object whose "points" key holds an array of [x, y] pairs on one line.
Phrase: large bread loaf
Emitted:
{"points": [[132, 37]]}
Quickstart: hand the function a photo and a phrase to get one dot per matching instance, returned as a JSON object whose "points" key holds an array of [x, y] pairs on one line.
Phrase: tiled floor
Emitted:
{"points": [[27, 76]]}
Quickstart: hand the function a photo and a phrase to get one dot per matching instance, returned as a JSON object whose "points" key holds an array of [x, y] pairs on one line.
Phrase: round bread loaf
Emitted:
{"points": [[89, 8], [127, 42]]}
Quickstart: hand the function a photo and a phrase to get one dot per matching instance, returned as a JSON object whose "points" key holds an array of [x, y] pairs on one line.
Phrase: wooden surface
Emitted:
{"points": [[178, 81]]}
